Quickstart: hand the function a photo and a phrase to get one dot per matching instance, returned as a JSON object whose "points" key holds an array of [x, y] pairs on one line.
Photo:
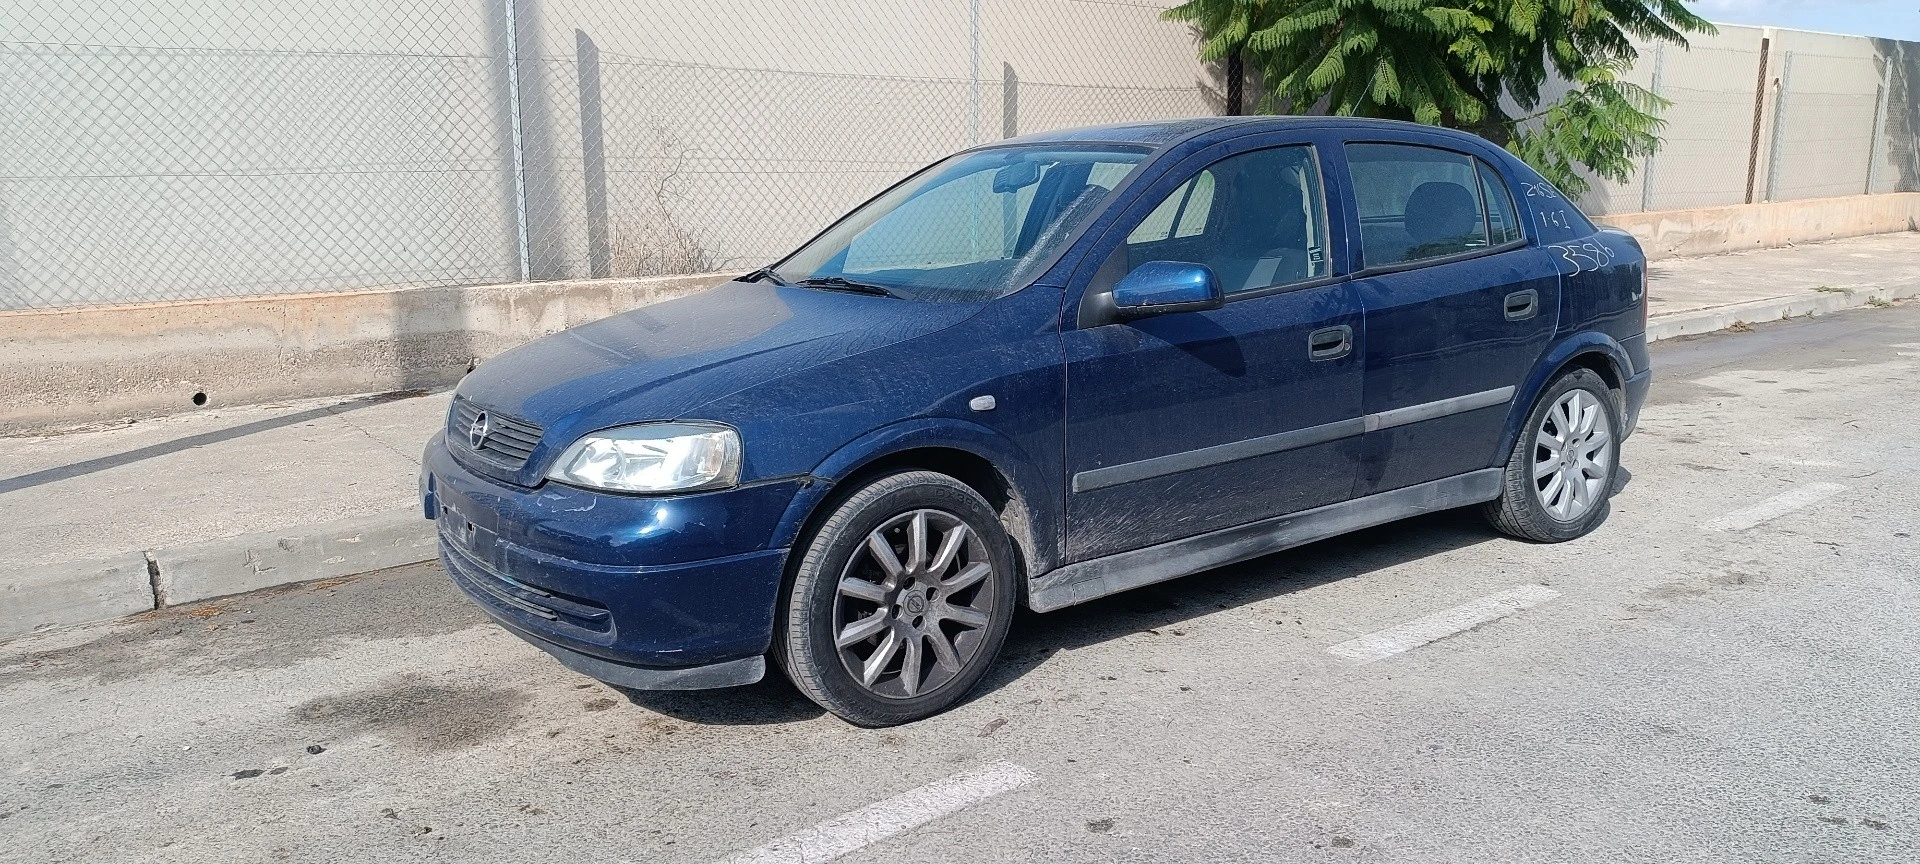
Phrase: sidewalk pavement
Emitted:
{"points": [[107, 521]]}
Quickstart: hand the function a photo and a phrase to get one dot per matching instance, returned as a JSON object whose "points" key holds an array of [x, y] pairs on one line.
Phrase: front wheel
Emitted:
{"points": [[1560, 475], [900, 601]]}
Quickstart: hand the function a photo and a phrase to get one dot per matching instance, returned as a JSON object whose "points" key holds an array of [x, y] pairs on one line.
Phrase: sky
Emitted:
{"points": [[1890, 19]]}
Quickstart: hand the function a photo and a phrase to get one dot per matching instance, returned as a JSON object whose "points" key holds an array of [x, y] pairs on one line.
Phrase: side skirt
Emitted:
{"points": [[1089, 580]]}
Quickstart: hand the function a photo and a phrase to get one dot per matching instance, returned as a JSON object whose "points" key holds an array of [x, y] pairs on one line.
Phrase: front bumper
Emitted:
{"points": [[649, 593]]}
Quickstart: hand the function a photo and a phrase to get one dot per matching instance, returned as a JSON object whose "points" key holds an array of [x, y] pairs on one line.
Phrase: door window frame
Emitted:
{"points": [[1332, 215], [1358, 243]]}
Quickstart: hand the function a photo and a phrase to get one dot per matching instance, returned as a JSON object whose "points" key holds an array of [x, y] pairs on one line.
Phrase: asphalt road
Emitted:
{"points": [[1726, 671]]}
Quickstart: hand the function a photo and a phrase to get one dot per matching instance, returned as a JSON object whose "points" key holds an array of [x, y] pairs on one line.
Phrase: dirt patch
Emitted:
{"points": [[416, 711]]}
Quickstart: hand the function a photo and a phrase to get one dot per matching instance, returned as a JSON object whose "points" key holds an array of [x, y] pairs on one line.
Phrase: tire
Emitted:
{"points": [[944, 610], [1573, 495]]}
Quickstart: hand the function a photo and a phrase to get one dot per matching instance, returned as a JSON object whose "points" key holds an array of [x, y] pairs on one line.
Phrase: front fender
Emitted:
{"points": [[1551, 362], [1040, 498]]}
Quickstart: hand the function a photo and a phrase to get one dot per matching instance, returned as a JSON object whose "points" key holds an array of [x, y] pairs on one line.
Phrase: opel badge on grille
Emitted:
{"points": [[477, 433]]}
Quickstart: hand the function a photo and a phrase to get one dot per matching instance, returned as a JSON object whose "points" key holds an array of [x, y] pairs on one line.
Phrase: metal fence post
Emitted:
{"points": [[519, 146], [1646, 170], [593, 154], [1879, 122], [973, 73], [1779, 127], [1759, 110], [1009, 101]]}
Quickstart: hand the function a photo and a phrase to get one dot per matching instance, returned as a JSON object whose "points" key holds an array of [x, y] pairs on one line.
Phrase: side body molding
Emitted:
{"points": [[1233, 451]]}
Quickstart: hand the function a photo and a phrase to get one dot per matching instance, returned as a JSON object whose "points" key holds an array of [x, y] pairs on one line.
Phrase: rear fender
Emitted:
{"points": [[1591, 342]]}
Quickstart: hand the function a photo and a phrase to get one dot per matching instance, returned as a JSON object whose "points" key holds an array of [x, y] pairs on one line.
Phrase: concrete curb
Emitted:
{"points": [[73, 593], [1717, 318], [36, 598], [236, 565]]}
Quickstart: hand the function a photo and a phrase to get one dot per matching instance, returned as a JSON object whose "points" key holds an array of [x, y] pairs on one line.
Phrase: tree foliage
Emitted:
{"points": [[1486, 66]]}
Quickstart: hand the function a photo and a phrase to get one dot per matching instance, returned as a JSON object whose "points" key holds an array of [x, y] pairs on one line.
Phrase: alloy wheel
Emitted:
{"points": [[1572, 462], [913, 604]]}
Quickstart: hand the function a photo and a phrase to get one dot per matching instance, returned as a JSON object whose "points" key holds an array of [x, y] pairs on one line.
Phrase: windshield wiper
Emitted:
{"points": [[765, 273], [841, 283]]}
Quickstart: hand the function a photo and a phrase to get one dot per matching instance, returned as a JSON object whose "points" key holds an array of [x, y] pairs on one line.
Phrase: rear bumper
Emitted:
{"points": [[1637, 388], [628, 603], [1638, 383]]}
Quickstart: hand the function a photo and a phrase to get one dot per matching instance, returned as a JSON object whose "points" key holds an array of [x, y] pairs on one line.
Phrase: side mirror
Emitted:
{"points": [[1160, 287]]}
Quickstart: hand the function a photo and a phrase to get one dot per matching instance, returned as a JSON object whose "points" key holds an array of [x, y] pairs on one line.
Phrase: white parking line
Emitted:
{"points": [[897, 815], [1439, 625], [1775, 507]]}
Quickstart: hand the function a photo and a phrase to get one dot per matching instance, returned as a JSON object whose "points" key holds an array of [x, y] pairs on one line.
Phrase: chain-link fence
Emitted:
{"points": [[1776, 117], [186, 149]]}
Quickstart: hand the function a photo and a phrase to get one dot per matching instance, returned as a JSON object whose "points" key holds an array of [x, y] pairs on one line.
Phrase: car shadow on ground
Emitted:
{"points": [[1036, 637]]}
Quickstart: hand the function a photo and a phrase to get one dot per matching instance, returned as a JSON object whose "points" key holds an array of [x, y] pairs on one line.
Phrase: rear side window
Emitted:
{"points": [[1257, 219], [1417, 203]]}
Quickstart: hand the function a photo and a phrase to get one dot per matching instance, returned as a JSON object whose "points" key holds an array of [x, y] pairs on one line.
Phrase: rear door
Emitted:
{"points": [[1459, 305]]}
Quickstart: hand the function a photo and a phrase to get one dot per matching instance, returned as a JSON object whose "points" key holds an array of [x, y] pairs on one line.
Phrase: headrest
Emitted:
{"points": [[1439, 210]]}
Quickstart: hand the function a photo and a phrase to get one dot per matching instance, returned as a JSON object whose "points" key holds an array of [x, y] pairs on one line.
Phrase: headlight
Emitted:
{"points": [[653, 457]]}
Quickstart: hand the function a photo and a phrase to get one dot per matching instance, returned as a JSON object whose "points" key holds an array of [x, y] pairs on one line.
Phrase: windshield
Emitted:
{"points": [[973, 227]]}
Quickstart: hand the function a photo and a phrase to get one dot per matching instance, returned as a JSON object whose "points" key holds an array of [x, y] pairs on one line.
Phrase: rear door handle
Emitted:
{"points": [[1330, 343], [1522, 305]]}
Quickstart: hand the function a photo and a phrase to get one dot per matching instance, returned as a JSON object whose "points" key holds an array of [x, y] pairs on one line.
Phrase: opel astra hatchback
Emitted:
{"points": [[1040, 372]]}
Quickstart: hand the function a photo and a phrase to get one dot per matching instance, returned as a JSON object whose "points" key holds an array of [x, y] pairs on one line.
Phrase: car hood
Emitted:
{"points": [[662, 361]]}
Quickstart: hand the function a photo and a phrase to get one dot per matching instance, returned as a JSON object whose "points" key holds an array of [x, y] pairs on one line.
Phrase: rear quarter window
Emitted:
{"points": [[1555, 219]]}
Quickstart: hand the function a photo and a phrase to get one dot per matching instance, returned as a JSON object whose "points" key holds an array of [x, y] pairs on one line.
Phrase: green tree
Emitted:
{"points": [[1479, 65]]}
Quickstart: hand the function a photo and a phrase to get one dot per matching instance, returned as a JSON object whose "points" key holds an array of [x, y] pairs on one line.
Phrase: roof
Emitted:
{"points": [[1160, 133]]}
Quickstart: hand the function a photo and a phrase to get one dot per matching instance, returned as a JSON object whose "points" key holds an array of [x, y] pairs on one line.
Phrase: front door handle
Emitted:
{"points": [[1522, 305], [1330, 343]]}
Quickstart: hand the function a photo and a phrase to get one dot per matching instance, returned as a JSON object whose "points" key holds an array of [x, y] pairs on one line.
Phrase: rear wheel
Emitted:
{"points": [[1560, 476], [900, 602]]}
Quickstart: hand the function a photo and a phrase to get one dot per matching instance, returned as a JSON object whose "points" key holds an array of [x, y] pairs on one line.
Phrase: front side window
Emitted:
{"points": [[971, 228], [1256, 219], [1417, 203]]}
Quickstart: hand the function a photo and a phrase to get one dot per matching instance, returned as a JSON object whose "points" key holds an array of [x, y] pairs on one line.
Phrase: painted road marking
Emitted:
{"points": [[1775, 507], [1441, 624], [897, 815]]}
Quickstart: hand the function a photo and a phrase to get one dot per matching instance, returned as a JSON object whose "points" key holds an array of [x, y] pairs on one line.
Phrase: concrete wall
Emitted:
{"points": [[1712, 230], [64, 367]]}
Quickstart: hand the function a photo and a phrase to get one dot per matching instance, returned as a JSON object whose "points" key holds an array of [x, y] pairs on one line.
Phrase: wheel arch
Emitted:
{"points": [[984, 460], [1590, 350]]}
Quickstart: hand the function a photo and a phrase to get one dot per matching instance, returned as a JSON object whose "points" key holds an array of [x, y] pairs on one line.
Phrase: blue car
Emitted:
{"points": [[1039, 372]]}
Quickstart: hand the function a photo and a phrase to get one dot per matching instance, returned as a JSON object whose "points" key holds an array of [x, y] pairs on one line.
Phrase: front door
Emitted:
{"points": [[1459, 307], [1191, 422]]}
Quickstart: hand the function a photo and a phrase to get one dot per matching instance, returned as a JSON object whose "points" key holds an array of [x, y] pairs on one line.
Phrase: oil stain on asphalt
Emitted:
{"points": [[412, 710]]}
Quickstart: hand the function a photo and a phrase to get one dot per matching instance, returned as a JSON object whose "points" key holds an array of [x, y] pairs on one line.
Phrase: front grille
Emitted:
{"points": [[508, 441]]}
